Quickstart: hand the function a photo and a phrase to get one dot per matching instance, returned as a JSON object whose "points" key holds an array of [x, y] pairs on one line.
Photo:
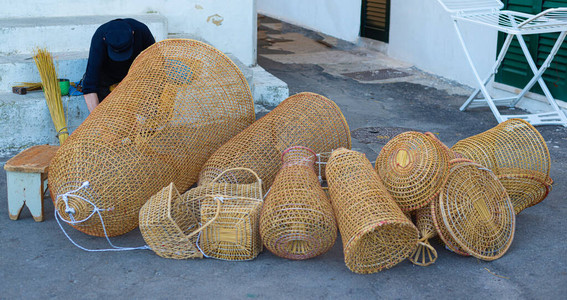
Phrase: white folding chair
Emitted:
{"points": [[514, 24]]}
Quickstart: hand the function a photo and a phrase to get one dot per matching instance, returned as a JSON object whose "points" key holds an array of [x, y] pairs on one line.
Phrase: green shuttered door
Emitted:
{"points": [[515, 70]]}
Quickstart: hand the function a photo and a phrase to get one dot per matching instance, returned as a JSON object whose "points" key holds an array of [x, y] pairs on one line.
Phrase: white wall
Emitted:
{"points": [[338, 18], [422, 33], [228, 25]]}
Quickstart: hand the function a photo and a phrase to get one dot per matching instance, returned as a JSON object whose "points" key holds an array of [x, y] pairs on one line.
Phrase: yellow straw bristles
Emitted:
{"points": [[52, 91]]}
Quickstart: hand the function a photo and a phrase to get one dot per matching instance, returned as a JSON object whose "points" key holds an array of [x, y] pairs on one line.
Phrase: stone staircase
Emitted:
{"points": [[25, 119]]}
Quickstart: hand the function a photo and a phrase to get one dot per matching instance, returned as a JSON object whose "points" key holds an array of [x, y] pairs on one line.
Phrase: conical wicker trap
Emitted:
{"points": [[412, 167], [297, 220], [473, 212], [233, 233], [424, 254], [376, 234], [304, 119], [517, 153], [181, 100]]}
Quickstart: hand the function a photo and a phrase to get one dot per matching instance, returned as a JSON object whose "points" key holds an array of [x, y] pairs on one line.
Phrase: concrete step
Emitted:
{"points": [[63, 34], [25, 120], [22, 68]]}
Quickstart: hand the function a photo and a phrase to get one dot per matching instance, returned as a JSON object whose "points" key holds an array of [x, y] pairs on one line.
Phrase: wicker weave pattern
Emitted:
{"points": [[376, 234], [297, 220], [517, 153], [168, 225], [304, 119], [233, 233], [413, 167], [181, 100], [424, 254], [475, 210]]}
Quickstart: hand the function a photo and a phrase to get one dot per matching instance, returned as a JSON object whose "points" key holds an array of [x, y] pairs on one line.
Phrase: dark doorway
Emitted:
{"points": [[375, 19]]}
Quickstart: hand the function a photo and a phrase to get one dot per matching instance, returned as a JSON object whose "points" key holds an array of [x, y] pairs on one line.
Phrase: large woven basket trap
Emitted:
{"points": [[376, 234], [297, 220], [412, 167], [233, 233], [304, 119], [517, 153], [473, 214], [181, 100]]}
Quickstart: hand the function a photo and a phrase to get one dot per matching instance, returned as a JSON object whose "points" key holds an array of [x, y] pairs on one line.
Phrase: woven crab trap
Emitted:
{"points": [[376, 234], [474, 215], [297, 220], [517, 153], [412, 167], [181, 100], [171, 224], [305, 119], [424, 255], [233, 233]]}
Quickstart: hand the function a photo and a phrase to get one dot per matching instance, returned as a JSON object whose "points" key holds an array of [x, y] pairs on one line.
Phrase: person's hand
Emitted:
{"points": [[92, 101]]}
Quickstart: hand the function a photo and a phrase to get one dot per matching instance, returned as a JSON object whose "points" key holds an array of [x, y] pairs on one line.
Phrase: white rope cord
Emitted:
{"points": [[71, 211]]}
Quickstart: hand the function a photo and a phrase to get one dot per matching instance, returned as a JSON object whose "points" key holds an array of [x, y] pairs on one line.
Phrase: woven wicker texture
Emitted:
{"points": [[181, 100], [413, 167], [424, 254], [297, 220], [446, 150], [517, 153], [376, 234], [169, 226], [304, 119], [475, 210], [235, 232]]}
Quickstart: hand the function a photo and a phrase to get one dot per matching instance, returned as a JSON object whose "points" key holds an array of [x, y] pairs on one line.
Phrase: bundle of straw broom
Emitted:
{"points": [[52, 92]]}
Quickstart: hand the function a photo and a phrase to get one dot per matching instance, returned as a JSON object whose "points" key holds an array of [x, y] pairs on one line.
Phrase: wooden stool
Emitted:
{"points": [[26, 174]]}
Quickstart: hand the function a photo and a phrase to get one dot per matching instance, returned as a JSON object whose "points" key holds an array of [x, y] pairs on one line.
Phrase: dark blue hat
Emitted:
{"points": [[119, 39]]}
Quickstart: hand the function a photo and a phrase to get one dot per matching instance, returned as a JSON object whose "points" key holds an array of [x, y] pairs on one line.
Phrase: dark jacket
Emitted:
{"points": [[101, 70]]}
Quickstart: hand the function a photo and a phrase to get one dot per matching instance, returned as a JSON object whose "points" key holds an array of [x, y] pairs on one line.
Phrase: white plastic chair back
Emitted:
{"points": [[454, 6]]}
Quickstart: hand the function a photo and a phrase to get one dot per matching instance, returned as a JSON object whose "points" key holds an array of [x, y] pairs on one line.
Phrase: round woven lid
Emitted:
{"points": [[412, 167], [476, 211]]}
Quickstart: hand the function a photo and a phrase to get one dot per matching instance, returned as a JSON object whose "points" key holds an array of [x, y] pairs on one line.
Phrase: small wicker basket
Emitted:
{"points": [[297, 220], [376, 234], [518, 155], [424, 254], [475, 211], [169, 226], [412, 167], [234, 234]]}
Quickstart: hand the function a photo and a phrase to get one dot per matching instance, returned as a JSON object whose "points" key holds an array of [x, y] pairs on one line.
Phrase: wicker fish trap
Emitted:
{"points": [[304, 119], [517, 153], [376, 234], [412, 167], [169, 226], [181, 100], [234, 234], [475, 211], [297, 220], [424, 254]]}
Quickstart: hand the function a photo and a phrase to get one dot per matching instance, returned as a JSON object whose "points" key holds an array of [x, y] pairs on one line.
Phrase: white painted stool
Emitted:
{"points": [[26, 175]]}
